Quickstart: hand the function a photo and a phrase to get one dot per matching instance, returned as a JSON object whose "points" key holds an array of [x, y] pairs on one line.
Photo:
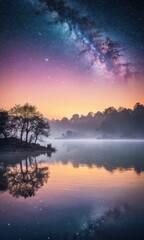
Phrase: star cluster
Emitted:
{"points": [[102, 51], [88, 52]]}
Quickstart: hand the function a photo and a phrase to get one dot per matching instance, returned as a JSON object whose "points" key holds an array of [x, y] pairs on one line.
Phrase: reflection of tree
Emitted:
{"points": [[25, 180], [3, 178], [111, 155]]}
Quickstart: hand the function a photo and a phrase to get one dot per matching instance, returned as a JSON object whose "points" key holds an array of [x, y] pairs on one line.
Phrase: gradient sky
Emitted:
{"points": [[57, 65]]}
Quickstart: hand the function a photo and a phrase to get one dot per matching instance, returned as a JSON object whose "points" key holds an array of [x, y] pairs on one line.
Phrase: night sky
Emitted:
{"points": [[72, 56]]}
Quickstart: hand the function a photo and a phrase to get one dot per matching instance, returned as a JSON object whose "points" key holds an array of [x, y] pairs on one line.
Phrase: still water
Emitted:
{"points": [[86, 190]]}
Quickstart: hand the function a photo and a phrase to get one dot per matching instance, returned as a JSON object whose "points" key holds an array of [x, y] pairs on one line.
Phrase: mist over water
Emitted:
{"points": [[88, 189]]}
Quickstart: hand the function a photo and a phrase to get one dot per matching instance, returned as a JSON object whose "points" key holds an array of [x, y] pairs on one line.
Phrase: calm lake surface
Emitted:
{"points": [[86, 190]]}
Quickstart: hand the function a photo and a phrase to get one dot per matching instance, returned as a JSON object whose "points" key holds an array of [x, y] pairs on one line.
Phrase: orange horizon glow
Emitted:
{"points": [[64, 98], [58, 93]]}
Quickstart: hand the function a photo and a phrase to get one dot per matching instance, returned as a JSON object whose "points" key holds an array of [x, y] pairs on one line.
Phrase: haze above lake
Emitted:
{"points": [[86, 190]]}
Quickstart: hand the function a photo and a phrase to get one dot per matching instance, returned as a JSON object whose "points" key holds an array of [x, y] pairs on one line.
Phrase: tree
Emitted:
{"points": [[41, 128], [4, 124], [109, 111], [138, 107], [138, 119], [25, 118], [64, 121], [75, 117]]}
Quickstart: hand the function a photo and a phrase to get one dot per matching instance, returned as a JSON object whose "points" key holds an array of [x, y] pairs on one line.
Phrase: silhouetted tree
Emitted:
{"points": [[111, 123], [138, 119], [29, 120], [65, 121], [74, 118], [6, 126], [41, 128]]}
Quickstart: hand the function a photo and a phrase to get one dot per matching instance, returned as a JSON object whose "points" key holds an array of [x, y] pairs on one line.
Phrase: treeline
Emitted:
{"points": [[27, 124], [111, 123], [23, 122]]}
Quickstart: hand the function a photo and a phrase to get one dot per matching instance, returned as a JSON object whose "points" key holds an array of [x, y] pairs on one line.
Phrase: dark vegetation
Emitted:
{"points": [[14, 144], [22, 178], [26, 124], [21, 127], [111, 123]]}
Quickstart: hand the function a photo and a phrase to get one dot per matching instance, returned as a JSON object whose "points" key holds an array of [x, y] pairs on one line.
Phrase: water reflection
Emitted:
{"points": [[75, 194], [23, 179], [111, 155], [3, 178], [104, 226], [97, 228]]}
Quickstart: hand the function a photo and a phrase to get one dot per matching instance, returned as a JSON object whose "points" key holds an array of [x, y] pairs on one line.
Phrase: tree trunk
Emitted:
{"points": [[36, 139], [22, 131], [35, 162], [4, 134], [21, 135], [30, 161], [21, 167], [27, 136], [26, 165]]}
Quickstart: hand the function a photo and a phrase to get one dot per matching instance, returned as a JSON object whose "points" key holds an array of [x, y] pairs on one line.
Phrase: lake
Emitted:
{"points": [[86, 190]]}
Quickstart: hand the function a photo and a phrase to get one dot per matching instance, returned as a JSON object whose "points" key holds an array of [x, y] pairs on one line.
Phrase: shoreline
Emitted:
{"points": [[18, 146]]}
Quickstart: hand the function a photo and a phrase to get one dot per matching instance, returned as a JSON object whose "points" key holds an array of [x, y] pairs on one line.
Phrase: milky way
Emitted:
{"points": [[101, 51], [72, 56]]}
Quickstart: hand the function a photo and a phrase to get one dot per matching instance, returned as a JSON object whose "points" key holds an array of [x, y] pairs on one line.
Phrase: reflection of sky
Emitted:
{"points": [[75, 196]]}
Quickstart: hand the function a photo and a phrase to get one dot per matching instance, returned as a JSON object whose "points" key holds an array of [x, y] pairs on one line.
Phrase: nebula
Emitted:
{"points": [[102, 51], [74, 56]]}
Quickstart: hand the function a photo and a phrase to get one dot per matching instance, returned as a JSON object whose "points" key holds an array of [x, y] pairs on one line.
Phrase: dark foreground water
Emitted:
{"points": [[86, 190]]}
